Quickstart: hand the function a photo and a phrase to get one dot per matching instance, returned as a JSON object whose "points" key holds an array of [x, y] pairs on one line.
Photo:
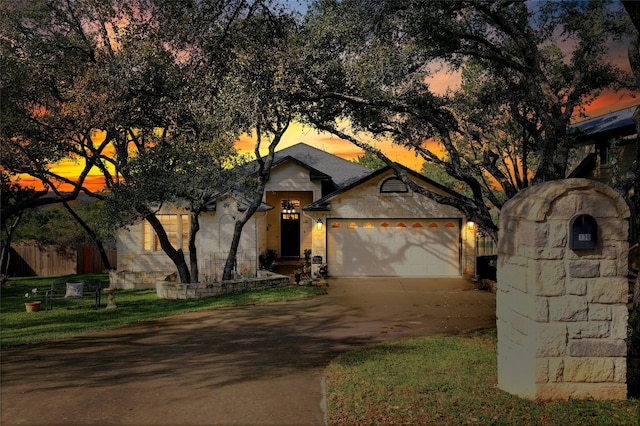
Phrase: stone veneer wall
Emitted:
{"points": [[561, 313], [173, 290], [127, 280]]}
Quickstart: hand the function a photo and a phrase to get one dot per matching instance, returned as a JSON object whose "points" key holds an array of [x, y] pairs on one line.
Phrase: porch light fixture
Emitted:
{"points": [[319, 224], [470, 225]]}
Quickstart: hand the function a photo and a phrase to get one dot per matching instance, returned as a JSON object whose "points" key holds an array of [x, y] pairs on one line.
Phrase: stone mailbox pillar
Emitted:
{"points": [[561, 300]]}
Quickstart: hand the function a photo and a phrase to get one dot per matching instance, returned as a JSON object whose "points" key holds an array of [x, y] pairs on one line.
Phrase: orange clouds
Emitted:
{"points": [[610, 101], [607, 102]]}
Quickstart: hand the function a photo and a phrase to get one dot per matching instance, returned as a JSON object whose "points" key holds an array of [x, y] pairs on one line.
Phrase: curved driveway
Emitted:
{"points": [[256, 365]]}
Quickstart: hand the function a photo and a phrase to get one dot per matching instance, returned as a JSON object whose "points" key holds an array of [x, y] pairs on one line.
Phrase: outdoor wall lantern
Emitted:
{"points": [[319, 224], [470, 225]]}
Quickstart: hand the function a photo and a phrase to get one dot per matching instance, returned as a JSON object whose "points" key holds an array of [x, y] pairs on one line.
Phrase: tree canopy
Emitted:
{"points": [[526, 72], [129, 87], [153, 93]]}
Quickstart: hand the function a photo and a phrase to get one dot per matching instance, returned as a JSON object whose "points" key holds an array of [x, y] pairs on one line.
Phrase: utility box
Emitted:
{"points": [[561, 298]]}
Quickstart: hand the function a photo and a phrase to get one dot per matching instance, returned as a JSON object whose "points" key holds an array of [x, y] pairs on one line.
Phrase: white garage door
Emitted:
{"points": [[393, 247]]}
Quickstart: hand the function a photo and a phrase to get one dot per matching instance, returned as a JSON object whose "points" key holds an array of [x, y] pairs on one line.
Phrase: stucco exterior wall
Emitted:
{"points": [[213, 242], [365, 201], [290, 181], [290, 176]]}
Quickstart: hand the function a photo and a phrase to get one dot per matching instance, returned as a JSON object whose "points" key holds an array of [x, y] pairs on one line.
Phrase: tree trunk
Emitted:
{"points": [[92, 235], [262, 174], [239, 226], [176, 256], [636, 293], [5, 250], [193, 251], [233, 250]]}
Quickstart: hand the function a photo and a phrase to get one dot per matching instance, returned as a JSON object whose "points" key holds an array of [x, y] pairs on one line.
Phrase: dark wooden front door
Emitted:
{"points": [[290, 234]]}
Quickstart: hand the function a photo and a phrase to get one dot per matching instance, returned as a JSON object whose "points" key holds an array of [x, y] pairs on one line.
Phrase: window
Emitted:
{"points": [[177, 228], [393, 185], [185, 232], [607, 151]]}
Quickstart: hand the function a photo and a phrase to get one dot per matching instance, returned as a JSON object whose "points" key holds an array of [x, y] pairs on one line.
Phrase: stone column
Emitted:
{"points": [[561, 313]]}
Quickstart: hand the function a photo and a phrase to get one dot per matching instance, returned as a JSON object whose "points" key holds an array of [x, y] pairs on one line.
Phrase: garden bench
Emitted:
{"points": [[73, 289]]}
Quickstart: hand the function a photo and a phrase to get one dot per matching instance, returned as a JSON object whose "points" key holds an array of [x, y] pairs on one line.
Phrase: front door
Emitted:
{"points": [[290, 234]]}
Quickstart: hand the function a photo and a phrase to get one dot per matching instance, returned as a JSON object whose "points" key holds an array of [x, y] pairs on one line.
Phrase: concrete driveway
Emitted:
{"points": [[256, 365]]}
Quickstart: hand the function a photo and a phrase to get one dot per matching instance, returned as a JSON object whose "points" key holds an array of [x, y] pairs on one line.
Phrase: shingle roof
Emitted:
{"points": [[613, 121], [342, 172]]}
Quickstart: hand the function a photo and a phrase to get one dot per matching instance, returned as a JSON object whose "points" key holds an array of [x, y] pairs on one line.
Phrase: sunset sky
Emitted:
{"points": [[608, 102], [440, 82]]}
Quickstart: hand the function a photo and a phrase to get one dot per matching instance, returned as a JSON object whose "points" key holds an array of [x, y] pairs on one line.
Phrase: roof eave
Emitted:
{"points": [[319, 208]]}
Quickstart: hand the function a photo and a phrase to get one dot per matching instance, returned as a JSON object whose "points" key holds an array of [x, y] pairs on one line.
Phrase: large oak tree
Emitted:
{"points": [[373, 62], [119, 84]]}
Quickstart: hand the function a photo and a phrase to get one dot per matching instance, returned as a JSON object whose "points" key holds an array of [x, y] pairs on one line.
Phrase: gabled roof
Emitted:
{"points": [[336, 171], [324, 204], [616, 123], [342, 172], [314, 174]]}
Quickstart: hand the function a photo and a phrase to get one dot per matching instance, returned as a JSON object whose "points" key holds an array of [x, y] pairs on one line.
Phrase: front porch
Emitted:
{"points": [[286, 266]]}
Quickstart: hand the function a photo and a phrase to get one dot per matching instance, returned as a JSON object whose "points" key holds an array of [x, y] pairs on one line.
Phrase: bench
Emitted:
{"points": [[73, 289]]}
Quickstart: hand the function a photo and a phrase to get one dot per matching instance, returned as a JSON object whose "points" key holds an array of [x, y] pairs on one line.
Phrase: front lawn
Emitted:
{"points": [[73, 317], [446, 380]]}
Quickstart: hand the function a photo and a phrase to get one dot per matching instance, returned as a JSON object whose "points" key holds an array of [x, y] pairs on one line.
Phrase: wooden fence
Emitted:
{"points": [[29, 260]]}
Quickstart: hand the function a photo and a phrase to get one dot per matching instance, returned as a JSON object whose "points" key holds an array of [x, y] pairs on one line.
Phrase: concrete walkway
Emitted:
{"points": [[256, 365]]}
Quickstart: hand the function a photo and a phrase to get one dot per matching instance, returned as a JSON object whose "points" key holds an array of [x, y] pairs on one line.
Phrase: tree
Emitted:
{"points": [[44, 224], [438, 174], [233, 79], [103, 83], [369, 161], [267, 79], [182, 173], [630, 184], [14, 199], [377, 59], [52, 101]]}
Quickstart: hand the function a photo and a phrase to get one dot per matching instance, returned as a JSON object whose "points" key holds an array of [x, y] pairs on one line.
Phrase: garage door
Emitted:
{"points": [[393, 247]]}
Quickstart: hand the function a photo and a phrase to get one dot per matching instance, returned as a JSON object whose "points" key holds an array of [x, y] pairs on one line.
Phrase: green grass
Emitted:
{"points": [[447, 380], [73, 317]]}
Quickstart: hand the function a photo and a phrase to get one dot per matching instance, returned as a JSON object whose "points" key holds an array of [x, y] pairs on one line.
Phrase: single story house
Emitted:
{"points": [[361, 222]]}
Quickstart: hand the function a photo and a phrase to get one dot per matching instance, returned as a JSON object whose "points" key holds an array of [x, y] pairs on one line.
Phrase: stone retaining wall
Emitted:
{"points": [[127, 280], [173, 290]]}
